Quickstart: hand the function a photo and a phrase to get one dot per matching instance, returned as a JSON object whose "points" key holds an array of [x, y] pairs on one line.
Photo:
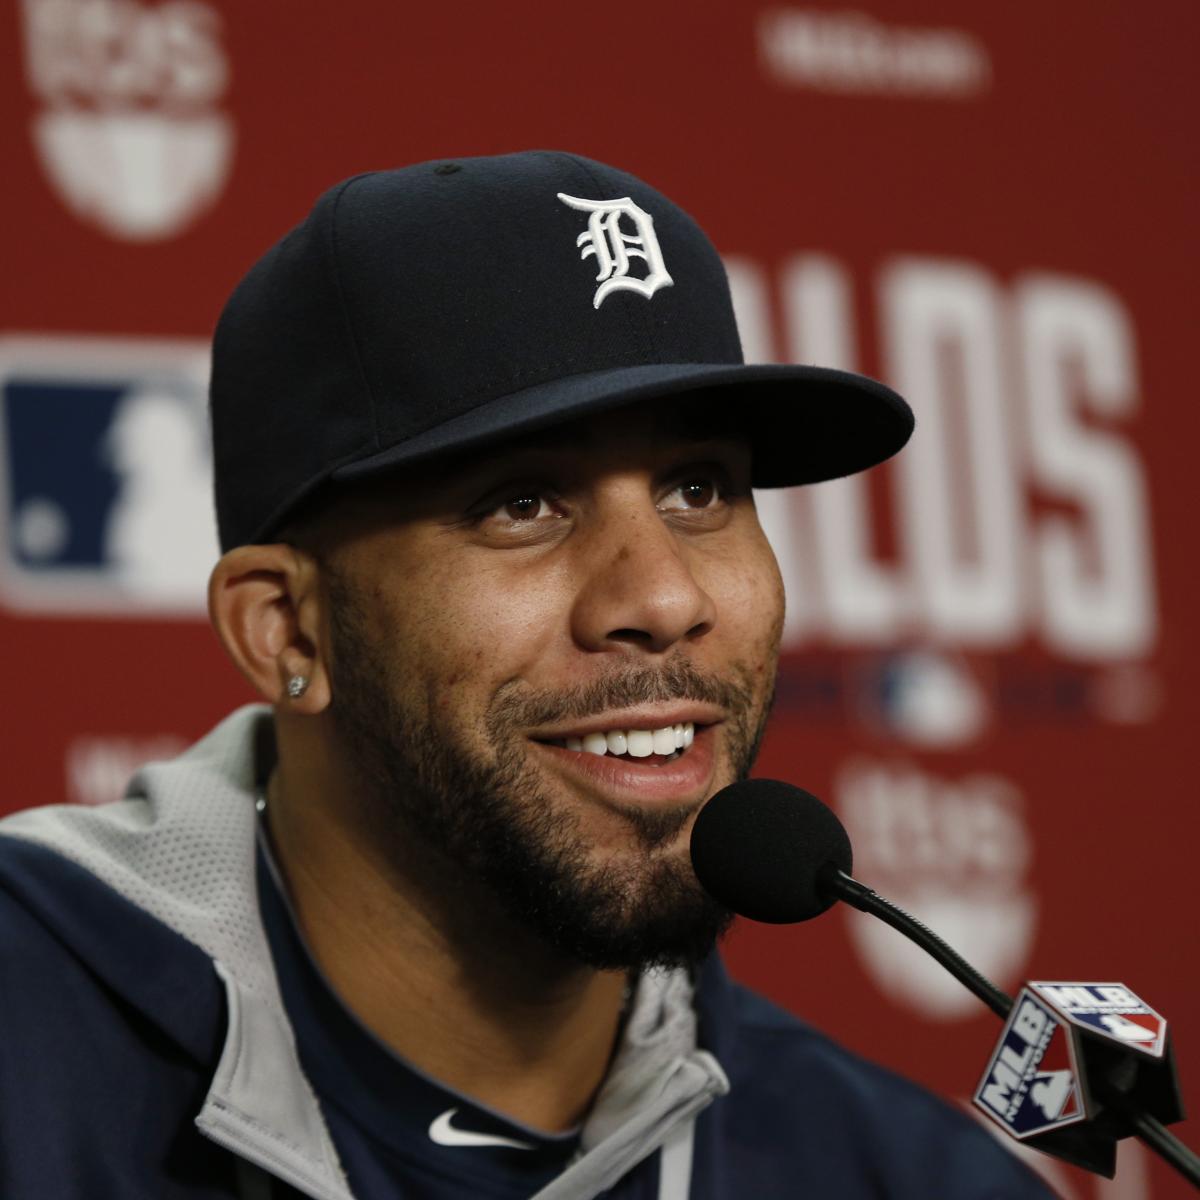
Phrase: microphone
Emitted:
{"points": [[775, 853], [760, 846]]}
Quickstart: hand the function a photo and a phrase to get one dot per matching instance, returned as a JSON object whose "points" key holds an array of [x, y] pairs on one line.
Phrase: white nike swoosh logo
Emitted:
{"points": [[445, 1134]]}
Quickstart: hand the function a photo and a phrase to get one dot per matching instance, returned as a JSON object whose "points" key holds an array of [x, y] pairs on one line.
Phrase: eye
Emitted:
{"points": [[519, 511], [525, 507], [696, 493]]}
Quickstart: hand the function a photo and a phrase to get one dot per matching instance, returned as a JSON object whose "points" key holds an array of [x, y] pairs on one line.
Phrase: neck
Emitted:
{"points": [[439, 975]]}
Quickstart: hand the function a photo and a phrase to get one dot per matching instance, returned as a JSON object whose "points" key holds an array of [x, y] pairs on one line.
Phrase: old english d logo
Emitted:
{"points": [[613, 247]]}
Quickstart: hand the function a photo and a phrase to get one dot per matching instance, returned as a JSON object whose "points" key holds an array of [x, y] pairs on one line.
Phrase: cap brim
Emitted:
{"points": [[807, 424]]}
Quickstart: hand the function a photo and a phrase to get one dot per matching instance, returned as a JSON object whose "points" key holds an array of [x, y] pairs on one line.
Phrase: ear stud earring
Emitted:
{"points": [[297, 686]]}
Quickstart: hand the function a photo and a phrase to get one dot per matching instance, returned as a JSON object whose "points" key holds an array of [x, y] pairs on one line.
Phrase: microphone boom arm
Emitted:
{"points": [[865, 899]]}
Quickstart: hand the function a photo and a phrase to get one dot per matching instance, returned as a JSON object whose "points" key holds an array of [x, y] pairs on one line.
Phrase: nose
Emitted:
{"points": [[638, 587]]}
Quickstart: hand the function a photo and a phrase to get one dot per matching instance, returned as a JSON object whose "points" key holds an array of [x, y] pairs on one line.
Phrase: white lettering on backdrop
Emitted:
{"points": [[1020, 393]]}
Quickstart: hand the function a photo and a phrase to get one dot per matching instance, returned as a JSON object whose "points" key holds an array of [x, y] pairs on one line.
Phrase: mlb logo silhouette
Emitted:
{"points": [[107, 473], [1109, 1010]]}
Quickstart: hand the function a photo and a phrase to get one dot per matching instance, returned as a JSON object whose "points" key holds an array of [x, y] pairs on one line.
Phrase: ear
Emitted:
{"points": [[265, 604]]}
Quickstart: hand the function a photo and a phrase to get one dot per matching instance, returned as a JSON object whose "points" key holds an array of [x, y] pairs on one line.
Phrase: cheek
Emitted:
{"points": [[748, 591], [470, 627]]}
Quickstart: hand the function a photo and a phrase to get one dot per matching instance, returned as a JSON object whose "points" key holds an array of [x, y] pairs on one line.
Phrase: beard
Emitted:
{"points": [[487, 815]]}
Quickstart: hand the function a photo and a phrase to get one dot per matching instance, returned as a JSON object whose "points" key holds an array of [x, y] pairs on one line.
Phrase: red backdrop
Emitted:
{"points": [[989, 654]]}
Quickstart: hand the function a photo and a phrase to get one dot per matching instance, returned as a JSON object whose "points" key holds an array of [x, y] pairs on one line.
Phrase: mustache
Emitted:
{"points": [[677, 679]]}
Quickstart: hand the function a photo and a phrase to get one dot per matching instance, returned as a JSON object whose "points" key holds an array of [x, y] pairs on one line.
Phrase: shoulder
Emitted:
{"points": [[771, 1047], [767, 1034], [78, 956], [112, 1023], [796, 1092]]}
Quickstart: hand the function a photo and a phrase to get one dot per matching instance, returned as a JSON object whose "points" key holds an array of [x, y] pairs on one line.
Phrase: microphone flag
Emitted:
{"points": [[1070, 1058]]}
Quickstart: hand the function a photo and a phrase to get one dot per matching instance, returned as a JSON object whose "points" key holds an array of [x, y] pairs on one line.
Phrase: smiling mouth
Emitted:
{"points": [[651, 747]]}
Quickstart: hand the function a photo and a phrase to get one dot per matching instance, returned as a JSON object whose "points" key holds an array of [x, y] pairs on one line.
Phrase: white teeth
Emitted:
{"points": [[664, 740], [641, 743]]}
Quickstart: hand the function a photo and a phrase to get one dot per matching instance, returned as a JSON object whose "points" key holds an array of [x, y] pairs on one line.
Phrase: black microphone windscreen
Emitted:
{"points": [[758, 846]]}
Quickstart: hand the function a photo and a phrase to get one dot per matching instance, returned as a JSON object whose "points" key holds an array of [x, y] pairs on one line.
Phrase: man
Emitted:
{"points": [[484, 447]]}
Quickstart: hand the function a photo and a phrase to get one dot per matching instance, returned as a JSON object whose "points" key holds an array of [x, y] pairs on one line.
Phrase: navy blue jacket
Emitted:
{"points": [[113, 1024]]}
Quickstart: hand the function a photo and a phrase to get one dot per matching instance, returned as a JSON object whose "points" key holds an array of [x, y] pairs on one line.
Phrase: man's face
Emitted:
{"points": [[597, 586]]}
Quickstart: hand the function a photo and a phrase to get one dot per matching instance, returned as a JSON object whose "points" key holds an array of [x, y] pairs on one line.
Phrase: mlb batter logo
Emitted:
{"points": [[106, 470], [1031, 1084]]}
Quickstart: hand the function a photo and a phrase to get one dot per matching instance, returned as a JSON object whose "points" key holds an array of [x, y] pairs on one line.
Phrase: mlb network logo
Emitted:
{"points": [[106, 469], [1031, 1084]]}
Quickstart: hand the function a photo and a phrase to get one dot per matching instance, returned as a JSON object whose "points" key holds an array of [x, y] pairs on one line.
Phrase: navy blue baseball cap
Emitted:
{"points": [[437, 308]]}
